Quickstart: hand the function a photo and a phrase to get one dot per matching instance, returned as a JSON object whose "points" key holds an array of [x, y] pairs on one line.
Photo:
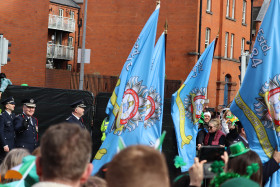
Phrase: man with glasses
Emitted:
{"points": [[7, 133], [26, 127]]}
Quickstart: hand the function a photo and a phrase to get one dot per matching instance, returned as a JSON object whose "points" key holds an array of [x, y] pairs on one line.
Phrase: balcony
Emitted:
{"points": [[57, 51], [61, 23]]}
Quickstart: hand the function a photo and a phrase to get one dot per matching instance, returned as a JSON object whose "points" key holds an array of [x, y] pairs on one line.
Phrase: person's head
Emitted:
{"points": [[227, 114], [94, 181], [29, 106], [240, 129], [9, 104], [238, 164], [240, 181], [65, 154], [2, 75], [12, 159], [207, 116], [214, 125], [138, 166], [78, 108]]}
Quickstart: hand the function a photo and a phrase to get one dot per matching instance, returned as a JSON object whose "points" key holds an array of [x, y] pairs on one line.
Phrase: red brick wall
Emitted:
{"points": [[58, 78], [25, 25], [218, 23], [258, 3], [112, 29]]}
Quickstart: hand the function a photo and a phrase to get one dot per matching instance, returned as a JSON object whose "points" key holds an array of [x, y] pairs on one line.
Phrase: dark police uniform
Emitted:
{"points": [[7, 133], [26, 134], [26, 129], [72, 118]]}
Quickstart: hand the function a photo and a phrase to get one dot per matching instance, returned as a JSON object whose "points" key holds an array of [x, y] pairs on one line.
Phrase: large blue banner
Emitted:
{"points": [[257, 104], [187, 105], [135, 107]]}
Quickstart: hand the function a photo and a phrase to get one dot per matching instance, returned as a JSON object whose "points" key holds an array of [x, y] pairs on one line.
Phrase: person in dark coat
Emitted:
{"points": [[77, 113], [7, 133], [203, 128], [26, 127]]}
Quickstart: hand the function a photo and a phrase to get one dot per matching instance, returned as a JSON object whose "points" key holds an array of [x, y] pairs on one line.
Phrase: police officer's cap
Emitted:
{"points": [[79, 103], [9, 100], [29, 102]]}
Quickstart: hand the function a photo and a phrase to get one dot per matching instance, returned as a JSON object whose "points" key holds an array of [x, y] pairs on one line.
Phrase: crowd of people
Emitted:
{"points": [[64, 155], [63, 159]]}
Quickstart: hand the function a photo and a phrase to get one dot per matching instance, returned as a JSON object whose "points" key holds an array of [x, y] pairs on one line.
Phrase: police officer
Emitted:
{"points": [[7, 133], [26, 126], [77, 113]]}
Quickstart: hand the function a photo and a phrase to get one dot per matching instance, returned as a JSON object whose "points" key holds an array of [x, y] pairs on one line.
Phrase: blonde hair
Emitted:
{"points": [[12, 159], [215, 122]]}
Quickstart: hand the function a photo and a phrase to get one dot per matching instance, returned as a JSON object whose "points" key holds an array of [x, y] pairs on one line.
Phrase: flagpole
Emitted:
{"points": [[165, 32], [216, 41]]}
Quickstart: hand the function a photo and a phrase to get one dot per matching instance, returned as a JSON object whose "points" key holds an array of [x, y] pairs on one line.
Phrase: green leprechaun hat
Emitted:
{"points": [[237, 149]]}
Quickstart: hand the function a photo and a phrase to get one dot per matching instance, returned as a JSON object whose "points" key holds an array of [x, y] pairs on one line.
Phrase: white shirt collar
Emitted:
{"points": [[8, 112], [76, 116]]}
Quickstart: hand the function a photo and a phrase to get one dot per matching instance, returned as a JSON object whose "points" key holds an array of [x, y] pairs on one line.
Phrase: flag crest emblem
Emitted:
{"points": [[268, 106], [194, 103]]}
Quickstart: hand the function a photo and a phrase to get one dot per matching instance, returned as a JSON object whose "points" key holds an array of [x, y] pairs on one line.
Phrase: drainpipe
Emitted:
{"points": [[83, 48], [199, 31], [251, 25]]}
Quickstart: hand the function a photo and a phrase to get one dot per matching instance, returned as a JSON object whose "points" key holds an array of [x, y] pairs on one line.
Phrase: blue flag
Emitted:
{"points": [[187, 105], [135, 107], [257, 104]]}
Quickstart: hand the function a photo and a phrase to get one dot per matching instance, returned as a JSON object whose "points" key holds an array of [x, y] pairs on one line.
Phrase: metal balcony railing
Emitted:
{"points": [[61, 23], [57, 51]]}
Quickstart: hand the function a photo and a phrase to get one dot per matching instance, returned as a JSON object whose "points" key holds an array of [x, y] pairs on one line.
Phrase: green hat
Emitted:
{"points": [[241, 182], [237, 149]]}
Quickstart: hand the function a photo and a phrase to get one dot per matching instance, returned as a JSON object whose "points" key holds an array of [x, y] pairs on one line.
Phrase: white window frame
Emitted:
{"points": [[244, 12], [242, 45], [227, 9], [208, 7], [233, 9], [70, 41], [207, 37], [231, 46], [72, 14], [61, 12], [226, 44]]}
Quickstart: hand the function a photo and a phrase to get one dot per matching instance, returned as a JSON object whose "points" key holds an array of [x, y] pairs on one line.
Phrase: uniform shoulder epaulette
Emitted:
{"points": [[68, 118]]}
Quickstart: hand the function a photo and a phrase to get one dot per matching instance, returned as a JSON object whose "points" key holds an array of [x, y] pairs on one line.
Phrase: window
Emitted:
{"points": [[233, 7], [208, 6], [231, 46], [60, 12], [70, 41], [72, 14], [227, 89], [226, 44], [244, 13], [242, 45], [207, 37], [227, 13]]}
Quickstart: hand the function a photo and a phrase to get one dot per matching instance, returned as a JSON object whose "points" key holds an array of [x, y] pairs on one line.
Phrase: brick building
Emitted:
{"points": [[24, 24], [112, 28], [42, 33], [64, 29]]}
